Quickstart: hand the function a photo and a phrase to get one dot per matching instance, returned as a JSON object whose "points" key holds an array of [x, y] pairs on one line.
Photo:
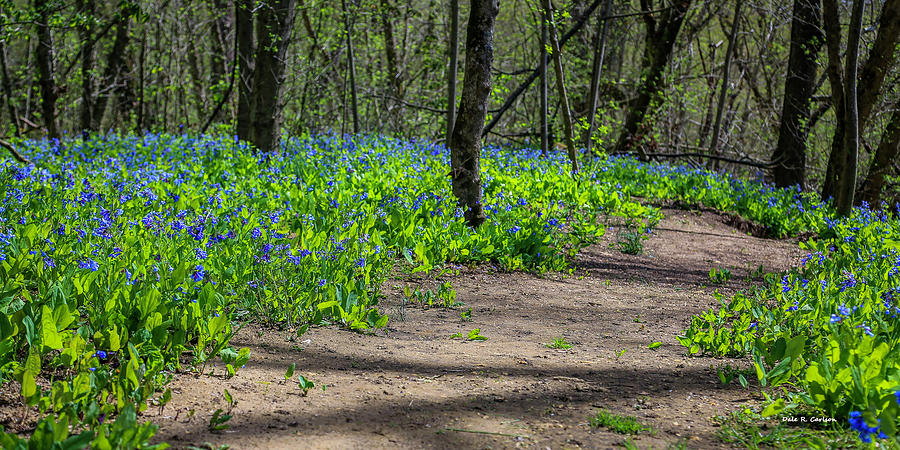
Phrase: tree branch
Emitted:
{"points": [[15, 154]]}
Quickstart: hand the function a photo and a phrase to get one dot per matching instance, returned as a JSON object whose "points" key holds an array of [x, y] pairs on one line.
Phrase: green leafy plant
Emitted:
{"points": [[475, 335], [618, 424], [719, 276], [727, 374], [630, 240], [559, 343], [305, 384], [654, 345], [289, 373]]}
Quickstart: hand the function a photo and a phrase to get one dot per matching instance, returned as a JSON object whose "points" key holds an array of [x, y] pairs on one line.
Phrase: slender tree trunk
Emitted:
{"points": [[87, 66], [273, 33], [465, 143], [658, 47], [395, 87], [220, 50], [885, 156], [7, 90], [596, 71], [871, 79], [880, 60], [454, 62], [200, 82], [243, 24], [561, 88], [115, 68], [536, 72], [351, 63], [799, 86], [847, 178], [726, 71], [545, 107], [139, 125], [44, 57], [832, 26]]}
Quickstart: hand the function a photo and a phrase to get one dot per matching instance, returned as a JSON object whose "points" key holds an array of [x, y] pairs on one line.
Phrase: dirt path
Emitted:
{"points": [[414, 387]]}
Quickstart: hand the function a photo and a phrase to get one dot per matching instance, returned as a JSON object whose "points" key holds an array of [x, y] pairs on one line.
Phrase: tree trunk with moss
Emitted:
{"points": [[465, 142]]}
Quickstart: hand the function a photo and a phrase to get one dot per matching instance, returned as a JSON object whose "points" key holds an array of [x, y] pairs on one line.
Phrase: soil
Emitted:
{"points": [[412, 386]]}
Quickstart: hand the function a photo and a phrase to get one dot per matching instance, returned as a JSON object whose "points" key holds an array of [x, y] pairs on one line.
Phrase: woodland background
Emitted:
{"points": [[757, 86]]}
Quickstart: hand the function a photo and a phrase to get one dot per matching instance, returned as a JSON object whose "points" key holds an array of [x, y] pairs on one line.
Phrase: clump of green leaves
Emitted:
{"points": [[559, 343], [727, 374], [219, 419], [630, 240], [719, 276], [474, 335], [444, 297], [618, 424], [305, 384]]}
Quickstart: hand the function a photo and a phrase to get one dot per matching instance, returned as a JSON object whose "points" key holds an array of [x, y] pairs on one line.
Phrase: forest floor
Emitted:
{"points": [[412, 386]]}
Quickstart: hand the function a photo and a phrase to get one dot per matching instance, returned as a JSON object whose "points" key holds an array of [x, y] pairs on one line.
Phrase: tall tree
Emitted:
{"points": [[871, 78], [451, 73], [545, 107], [351, 66], [658, 45], [243, 25], [561, 87], [596, 71], [85, 32], [799, 86], [726, 71], [114, 73], [275, 21], [395, 87], [885, 156], [44, 57], [846, 182], [536, 72], [6, 82], [465, 143]]}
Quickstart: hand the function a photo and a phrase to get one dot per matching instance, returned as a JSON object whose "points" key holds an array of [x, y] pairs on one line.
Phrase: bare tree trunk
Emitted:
{"points": [[545, 107], [86, 7], [220, 51], [561, 88], [723, 93], [200, 82], [351, 63], [885, 156], [536, 72], [454, 62], [7, 90], [44, 57], [871, 78], [847, 178], [395, 109], [658, 47], [831, 23], [139, 126], [465, 143], [243, 24], [273, 33], [115, 68], [596, 71], [799, 86]]}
